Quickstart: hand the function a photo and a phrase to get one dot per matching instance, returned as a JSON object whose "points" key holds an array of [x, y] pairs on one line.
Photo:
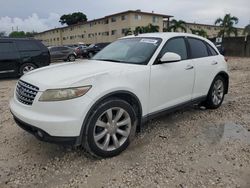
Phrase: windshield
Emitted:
{"points": [[135, 50]]}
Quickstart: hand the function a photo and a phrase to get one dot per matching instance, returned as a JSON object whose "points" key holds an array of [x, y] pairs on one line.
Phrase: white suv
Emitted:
{"points": [[100, 103]]}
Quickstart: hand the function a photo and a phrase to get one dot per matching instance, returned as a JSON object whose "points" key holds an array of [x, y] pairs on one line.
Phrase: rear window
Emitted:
{"points": [[27, 45], [212, 50], [6, 47], [198, 48]]}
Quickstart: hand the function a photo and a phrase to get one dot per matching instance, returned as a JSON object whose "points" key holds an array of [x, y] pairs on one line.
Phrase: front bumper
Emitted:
{"points": [[43, 136], [55, 119]]}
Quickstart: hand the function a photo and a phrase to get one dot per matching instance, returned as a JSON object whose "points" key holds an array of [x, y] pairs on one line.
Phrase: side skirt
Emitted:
{"points": [[165, 111]]}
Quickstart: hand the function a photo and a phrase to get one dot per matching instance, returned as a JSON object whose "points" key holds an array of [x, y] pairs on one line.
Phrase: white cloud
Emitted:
{"points": [[31, 23]]}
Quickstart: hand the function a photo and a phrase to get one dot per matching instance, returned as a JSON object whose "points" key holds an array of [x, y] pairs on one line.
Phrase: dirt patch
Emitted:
{"points": [[188, 148]]}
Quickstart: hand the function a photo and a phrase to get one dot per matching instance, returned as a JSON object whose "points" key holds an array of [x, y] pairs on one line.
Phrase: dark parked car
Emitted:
{"points": [[93, 49], [19, 56], [62, 53]]}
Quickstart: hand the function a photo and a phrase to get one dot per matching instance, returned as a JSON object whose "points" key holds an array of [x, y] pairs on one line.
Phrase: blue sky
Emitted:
{"points": [[39, 15]]}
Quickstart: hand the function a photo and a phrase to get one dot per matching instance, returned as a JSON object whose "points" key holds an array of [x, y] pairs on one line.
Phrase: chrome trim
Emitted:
{"points": [[7, 71], [25, 92]]}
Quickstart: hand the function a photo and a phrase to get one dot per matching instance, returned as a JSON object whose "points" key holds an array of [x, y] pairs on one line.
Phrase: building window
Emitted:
{"points": [[64, 38], [155, 19], [106, 21], [105, 33], [124, 17], [137, 17], [57, 38], [71, 37], [113, 32], [89, 35], [113, 19], [82, 35], [99, 33]]}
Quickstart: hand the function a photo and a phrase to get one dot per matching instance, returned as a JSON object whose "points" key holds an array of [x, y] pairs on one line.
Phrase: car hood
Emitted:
{"points": [[71, 74]]}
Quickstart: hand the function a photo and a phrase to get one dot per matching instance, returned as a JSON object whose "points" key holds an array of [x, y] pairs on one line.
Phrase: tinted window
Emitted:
{"points": [[53, 49], [176, 45], [6, 47], [27, 45], [62, 48], [198, 48], [212, 50]]}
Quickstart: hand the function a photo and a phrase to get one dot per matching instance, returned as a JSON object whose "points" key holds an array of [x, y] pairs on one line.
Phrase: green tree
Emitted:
{"points": [[227, 25], [128, 32], [30, 34], [74, 18], [201, 32], [17, 34], [247, 30], [176, 25], [22, 34], [146, 29]]}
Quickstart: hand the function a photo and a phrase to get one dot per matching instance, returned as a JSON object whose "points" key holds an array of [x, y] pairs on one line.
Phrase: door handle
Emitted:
{"points": [[215, 63], [189, 67]]}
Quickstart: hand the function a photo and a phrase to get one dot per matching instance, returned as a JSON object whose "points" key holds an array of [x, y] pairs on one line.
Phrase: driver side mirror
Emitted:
{"points": [[170, 57]]}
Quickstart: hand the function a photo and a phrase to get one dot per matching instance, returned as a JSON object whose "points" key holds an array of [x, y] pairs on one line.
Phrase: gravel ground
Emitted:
{"points": [[188, 148]]}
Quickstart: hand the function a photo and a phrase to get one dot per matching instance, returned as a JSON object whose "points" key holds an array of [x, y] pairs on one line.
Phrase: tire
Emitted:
{"points": [[90, 55], [71, 58], [111, 128], [25, 68], [216, 93]]}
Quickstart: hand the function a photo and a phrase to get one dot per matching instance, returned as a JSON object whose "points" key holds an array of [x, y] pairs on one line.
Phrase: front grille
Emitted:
{"points": [[25, 92]]}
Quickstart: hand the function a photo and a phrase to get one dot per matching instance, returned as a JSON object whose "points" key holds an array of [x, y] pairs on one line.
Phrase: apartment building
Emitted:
{"points": [[106, 29], [211, 30]]}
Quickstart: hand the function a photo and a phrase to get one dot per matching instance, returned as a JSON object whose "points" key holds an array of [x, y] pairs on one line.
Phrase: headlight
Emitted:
{"points": [[63, 94]]}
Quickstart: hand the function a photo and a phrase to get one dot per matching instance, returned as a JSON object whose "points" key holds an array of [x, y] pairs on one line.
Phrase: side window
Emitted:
{"points": [[27, 45], [7, 47], [198, 48], [212, 50], [176, 45], [62, 48]]}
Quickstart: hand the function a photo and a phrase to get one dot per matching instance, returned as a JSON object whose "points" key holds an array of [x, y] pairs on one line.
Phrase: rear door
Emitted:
{"points": [[205, 66], [9, 59]]}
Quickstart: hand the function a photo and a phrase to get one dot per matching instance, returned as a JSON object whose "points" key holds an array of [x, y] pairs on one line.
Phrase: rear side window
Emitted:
{"points": [[176, 45], [6, 47], [212, 50], [198, 48], [27, 45]]}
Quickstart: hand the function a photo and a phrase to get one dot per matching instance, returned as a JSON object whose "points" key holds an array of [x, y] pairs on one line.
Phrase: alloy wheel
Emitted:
{"points": [[28, 68], [218, 92], [112, 129]]}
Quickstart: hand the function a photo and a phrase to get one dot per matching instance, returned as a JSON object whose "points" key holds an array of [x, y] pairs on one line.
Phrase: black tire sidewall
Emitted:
{"points": [[209, 102], [90, 129], [24, 65], [71, 56]]}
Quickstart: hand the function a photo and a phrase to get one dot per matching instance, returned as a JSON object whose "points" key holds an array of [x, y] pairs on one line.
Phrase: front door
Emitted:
{"points": [[171, 83]]}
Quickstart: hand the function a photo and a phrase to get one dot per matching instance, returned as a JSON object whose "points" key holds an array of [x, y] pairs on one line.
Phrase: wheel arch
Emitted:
{"points": [[127, 96], [226, 79]]}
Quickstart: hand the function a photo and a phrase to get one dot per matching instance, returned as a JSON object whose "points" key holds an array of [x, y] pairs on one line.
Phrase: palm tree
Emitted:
{"points": [[128, 32], [201, 32], [227, 25], [146, 29], [247, 30], [176, 25], [152, 28]]}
